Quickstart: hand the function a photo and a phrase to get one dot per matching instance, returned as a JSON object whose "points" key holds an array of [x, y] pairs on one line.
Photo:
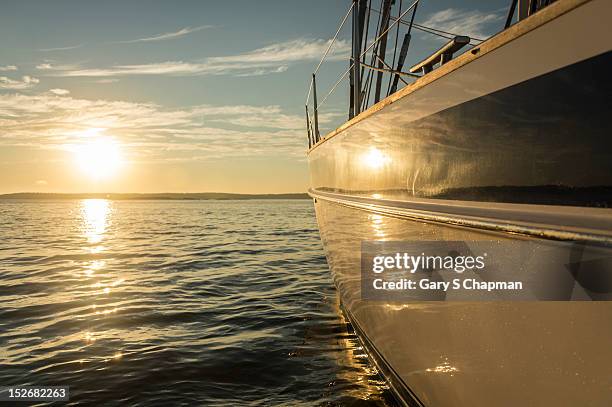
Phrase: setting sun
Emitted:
{"points": [[99, 158]]}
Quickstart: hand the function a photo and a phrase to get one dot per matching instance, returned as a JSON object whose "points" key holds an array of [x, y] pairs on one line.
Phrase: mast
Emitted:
{"points": [[355, 71], [316, 134], [384, 25], [403, 51]]}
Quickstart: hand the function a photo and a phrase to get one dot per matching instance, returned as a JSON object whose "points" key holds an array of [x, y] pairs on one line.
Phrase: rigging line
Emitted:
{"points": [[366, 92], [309, 91], [334, 38], [394, 48], [432, 32], [316, 108], [392, 71], [308, 124], [334, 87], [375, 35], [368, 83], [388, 67], [308, 120], [309, 130], [388, 28], [445, 36], [366, 100], [367, 86], [425, 28], [329, 47], [376, 41], [443, 32], [367, 26]]}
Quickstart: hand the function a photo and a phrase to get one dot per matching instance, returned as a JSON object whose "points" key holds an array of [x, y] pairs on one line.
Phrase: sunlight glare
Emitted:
{"points": [[375, 159], [99, 158]]}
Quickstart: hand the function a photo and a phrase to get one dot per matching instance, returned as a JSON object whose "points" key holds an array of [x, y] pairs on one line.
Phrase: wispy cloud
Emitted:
{"points": [[269, 59], [264, 71], [8, 68], [59, 92], [289, 51], [271, 117], [60, 48], [149, 131], [44, 66], [48, 66], [25, 82], [159, 68], [167, 36], [474, 23]]}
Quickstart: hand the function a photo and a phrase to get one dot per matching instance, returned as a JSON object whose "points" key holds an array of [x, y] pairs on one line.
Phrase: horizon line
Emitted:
{"points": [[152, 195]]}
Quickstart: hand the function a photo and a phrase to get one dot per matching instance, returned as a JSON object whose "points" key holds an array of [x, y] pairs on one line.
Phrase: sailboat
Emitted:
{"points": [[504, 139]]}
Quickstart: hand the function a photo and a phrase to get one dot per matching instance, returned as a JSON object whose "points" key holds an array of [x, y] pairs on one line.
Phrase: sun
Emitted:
{"points": [[99, 157]]}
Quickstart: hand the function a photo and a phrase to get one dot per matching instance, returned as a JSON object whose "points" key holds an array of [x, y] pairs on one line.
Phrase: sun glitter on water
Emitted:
{"points": [[99, 157]]}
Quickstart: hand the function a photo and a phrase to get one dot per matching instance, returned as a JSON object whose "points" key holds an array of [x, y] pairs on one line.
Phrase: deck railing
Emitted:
{"points": [[360, 81], [356, 66]]}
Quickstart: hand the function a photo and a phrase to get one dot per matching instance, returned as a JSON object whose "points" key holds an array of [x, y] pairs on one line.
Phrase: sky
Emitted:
{"points": [[189, 96]]}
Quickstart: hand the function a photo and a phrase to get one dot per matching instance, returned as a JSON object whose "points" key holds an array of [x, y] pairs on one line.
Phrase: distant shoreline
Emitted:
{"points": [[160, 196]]}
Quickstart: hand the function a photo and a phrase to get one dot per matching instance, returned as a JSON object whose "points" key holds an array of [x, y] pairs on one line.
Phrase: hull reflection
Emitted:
{"points": [[468, 353]]}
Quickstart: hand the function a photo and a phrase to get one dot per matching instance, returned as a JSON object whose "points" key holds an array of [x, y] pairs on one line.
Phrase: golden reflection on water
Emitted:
{"points": [[377, 222], [95, 219], [361, 371], [95, 215], [92, 266], [89, 337]]}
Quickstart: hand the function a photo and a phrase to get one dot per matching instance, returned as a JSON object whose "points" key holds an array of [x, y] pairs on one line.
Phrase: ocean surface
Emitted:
{"points": [[175, 303]]}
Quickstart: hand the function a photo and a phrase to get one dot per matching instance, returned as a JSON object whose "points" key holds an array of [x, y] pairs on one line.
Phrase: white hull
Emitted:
{"points": [[509, 142]]}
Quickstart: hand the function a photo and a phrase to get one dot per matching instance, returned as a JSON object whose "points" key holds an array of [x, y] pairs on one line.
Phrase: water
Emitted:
{"points": [[175, 303]]}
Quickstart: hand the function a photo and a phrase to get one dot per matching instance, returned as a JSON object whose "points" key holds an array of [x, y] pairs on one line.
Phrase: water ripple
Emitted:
{"points": [[175, 303]]}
